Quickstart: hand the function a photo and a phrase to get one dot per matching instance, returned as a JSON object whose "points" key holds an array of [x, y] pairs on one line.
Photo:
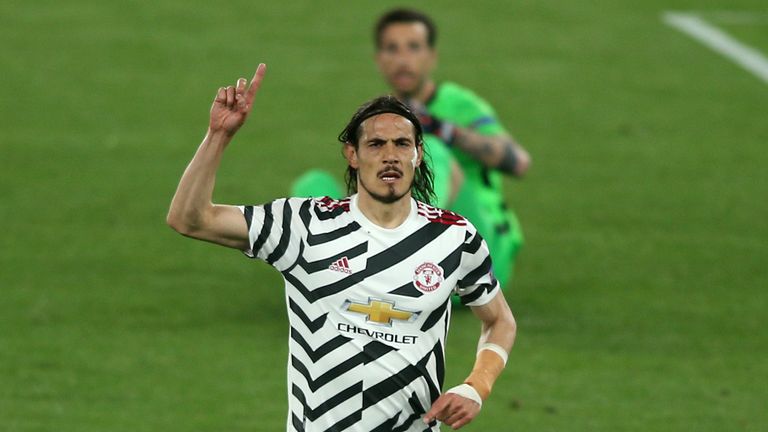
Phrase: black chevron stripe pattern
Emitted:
{"points": [[323, 350], [330, 375], [313, 414], [474, 245], [376, 263], [479, 292], [407, 290], [296, 422], [266, 229], [371, 352], [312, 325], [388, 425], [317, 239], [322, 264], [440, 371], [472, 277], [346, 421], [417, 411], [371, 395], [435, 316], [366, 369], [449, 265], [402, 378], [285, 237], [248, 213]]}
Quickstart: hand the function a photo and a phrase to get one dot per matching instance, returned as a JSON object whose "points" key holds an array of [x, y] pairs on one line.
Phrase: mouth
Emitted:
{"points": [[390, 176], [404, 76]]}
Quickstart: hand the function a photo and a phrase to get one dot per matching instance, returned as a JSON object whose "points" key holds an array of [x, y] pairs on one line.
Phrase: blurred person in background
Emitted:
{"points": [[470, 148]]}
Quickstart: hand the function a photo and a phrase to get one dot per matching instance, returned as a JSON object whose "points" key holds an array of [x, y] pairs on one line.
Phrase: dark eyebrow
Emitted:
{"points": [[376, 141], [414, 44], [403, 140]]}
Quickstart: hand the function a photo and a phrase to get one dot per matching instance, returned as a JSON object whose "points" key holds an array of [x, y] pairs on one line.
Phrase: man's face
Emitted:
{"points": [[404, 57], [386, 157]]}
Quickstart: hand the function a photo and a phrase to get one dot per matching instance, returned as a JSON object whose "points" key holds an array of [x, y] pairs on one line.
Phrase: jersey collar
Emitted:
{"points": [[369, 226]]}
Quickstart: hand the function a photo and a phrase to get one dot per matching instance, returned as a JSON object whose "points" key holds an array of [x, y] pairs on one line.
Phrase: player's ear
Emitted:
{"points": [[419, 154], [350, 153]]}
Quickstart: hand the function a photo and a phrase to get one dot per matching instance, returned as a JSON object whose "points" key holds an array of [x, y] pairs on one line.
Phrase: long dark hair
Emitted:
{"points": [[423, 182]]}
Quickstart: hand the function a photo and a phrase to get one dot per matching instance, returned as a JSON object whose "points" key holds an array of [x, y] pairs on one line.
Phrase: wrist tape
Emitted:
{"points": [[495, 348], [467, 391], [491, 360]]}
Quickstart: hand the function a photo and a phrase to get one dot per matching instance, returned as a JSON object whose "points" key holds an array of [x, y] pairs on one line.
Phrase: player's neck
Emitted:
{"points": [[385, 215]]}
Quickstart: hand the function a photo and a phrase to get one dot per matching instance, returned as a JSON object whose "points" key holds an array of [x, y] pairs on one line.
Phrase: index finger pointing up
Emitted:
{"points": [[255, 83]]}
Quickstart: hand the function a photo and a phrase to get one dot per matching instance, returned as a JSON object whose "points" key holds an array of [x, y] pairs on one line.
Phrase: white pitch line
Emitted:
{"points": [[718, 40], [733, 17]]}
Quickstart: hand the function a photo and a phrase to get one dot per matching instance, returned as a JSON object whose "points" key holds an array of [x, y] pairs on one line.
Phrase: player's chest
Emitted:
{"points": [[384, 273]]}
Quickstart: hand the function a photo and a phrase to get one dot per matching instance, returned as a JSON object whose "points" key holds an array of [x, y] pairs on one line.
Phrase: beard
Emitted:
{"points": [[390, 197]]}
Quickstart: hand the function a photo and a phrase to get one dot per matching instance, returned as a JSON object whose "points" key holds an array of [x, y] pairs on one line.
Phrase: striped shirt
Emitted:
{"points": [[368, 307]]}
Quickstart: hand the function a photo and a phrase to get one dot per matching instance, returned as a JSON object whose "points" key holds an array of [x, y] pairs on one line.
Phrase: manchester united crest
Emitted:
{"points": [[428, 277]]}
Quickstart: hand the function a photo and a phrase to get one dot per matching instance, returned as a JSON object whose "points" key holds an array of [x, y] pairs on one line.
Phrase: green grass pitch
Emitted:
{"points": [[641, 292]]}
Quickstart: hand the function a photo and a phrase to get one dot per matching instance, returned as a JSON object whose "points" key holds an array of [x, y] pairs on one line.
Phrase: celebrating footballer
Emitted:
{"points": [[368, 278]]}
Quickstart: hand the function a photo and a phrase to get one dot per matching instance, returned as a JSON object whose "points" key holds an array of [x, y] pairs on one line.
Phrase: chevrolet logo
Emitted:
{"points": [[380, 311]]}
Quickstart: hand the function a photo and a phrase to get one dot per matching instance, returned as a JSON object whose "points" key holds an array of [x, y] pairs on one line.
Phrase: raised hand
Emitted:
{"points": [[233, 104]]}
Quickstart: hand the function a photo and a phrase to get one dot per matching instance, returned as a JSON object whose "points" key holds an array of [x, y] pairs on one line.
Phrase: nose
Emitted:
{"points": [[401, 57], [389, 155]]}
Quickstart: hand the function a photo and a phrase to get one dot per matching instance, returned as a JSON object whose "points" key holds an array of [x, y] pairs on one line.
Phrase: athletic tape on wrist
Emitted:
{"points": [[495, 348], [467, 391]]}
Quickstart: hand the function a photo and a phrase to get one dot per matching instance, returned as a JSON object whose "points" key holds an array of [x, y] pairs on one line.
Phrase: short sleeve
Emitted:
{"points": [[465, 108], [483, 118], [272, 234], [477, 285]]}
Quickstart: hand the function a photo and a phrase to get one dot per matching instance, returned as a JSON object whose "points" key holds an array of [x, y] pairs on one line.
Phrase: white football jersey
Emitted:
{"points": [[368, 307]]}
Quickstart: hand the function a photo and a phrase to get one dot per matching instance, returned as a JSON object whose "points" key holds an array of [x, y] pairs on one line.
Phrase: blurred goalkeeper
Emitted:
{"points": [[471, 150]]}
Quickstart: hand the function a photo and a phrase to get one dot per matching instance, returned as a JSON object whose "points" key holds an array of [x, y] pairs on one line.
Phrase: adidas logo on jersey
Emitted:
{"points": [[341, 265]]}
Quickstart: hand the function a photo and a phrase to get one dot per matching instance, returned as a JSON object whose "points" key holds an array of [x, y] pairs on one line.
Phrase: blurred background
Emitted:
{"points": [[640, 294]]}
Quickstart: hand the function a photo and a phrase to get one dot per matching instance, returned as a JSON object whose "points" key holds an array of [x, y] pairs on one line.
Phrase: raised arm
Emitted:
{"points": [[459, 405], [192, 211]]}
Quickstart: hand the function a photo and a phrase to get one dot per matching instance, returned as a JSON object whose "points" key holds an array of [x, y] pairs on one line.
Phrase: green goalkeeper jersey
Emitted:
{"points": [[481, 197], [462, 107]]}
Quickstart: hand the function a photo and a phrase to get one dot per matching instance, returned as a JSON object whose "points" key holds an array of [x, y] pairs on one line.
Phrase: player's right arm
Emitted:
{"points": [[192, 211]]}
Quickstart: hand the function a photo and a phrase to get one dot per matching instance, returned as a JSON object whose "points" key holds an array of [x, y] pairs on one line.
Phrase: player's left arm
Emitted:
{"points": [[497, 150], [500, 151], [461, 404]]}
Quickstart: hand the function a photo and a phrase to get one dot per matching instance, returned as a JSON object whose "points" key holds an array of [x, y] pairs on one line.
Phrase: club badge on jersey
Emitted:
{"points": [[427, 277]]}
